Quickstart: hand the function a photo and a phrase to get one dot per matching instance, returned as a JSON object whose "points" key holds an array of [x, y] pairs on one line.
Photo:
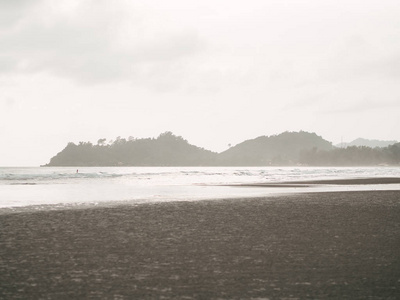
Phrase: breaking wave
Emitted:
{"points": [[13, 177], [185, 175]]}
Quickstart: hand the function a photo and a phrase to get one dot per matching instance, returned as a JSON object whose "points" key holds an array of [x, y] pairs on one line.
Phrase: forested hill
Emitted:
{"points": [[166, 150], [288, 148], [282, 149]]}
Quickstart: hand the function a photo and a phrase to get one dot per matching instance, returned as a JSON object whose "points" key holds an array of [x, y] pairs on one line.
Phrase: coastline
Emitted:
{"points": [[314, 245], [347, 181]]}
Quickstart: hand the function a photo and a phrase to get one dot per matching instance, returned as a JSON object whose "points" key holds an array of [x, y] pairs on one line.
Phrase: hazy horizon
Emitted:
{"points": [[215, 73], [110, 142]]}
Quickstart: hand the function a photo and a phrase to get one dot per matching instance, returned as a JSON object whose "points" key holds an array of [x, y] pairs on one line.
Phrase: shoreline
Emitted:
{"points": [[309, 183], [292, 188], [314, 245]]}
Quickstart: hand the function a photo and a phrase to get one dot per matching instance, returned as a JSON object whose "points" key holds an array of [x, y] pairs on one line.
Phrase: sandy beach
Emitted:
{"points": [[342, 245]]}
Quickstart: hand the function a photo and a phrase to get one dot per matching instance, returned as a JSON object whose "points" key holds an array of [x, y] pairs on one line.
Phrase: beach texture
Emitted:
{"points": [[343, 245]]}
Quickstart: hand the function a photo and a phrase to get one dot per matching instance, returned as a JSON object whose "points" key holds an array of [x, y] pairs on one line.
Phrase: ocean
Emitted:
{"points": [[43, 187]]}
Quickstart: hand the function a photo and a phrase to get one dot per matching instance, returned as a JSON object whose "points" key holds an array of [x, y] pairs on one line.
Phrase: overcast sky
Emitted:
{"points": [[214, 72]]}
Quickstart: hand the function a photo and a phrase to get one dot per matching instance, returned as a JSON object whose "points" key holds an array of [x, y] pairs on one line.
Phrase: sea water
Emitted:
{"points": [[41, 186]]}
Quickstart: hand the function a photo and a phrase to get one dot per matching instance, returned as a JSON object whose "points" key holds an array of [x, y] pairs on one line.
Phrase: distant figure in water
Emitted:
{"points": [[77, 171]]}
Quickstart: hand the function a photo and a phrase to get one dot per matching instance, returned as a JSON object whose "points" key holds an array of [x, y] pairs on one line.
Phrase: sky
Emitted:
{"points": [[214, 72]]}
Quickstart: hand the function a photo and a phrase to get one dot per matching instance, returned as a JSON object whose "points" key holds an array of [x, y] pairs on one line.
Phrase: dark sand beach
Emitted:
{"points": [[343, 245]]}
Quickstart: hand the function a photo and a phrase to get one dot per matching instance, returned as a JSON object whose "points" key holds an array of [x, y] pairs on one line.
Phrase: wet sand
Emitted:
{"points": [[342, 245], [308, 183]]}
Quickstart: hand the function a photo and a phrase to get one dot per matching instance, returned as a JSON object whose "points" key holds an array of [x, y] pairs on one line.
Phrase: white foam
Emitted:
{"points": [[43, 186]]}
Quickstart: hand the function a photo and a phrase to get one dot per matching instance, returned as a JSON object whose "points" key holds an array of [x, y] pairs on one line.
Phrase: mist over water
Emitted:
{"points": [[94, 185]]}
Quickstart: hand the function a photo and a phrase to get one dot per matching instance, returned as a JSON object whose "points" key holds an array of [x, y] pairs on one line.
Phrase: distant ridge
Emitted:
{"points": [[367, 143], [282, 149], [285, 149], [166, 150]]}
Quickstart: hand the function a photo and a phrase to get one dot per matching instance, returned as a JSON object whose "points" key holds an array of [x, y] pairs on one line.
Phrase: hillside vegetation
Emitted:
{"points": [[166, 150], [288, 148], [282, 149]]}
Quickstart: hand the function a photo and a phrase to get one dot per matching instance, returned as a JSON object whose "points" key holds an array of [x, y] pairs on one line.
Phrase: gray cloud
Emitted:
{"points": [[387, 67], [310, 101], [7, 103], [86, 48], [364, 105], [11, 12], [360, 57]]}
